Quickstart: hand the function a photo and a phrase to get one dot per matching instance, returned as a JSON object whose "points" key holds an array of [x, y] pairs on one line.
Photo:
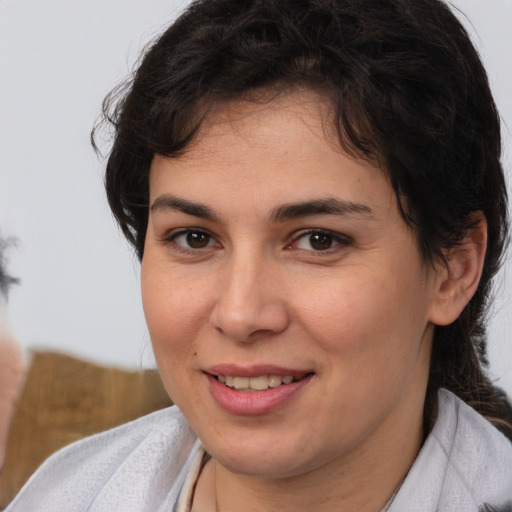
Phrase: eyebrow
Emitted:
{"points": [[327, 206], [168, 202]]}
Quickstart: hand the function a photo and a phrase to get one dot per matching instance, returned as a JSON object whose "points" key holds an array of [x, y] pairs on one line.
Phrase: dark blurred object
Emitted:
{"points": [[65, 399], [5, 279]]}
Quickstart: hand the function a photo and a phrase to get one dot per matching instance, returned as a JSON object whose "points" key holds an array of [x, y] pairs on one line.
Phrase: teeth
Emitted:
{"points": [[241, 382], [275, 380], [260, 383]]}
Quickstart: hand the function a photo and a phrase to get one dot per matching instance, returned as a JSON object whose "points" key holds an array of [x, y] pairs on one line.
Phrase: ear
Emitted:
{"points": [[457, 280]]}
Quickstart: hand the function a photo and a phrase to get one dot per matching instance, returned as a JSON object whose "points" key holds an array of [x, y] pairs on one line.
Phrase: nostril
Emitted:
{"points": [[251, 322]]}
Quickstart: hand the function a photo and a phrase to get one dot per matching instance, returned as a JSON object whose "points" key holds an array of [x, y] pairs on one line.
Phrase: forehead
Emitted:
{"points": [[255, 120], [284, 150]]}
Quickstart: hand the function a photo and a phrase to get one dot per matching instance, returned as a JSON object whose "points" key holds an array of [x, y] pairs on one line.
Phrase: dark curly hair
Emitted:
{"points": [[5, 279], [408, 90]]}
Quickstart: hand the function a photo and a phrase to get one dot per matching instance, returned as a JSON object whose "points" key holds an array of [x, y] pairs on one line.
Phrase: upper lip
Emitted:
{"points": [[255, 370]]}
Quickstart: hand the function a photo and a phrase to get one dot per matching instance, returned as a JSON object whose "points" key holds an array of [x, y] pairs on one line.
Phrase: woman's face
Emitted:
{"points": [[272, 256]]}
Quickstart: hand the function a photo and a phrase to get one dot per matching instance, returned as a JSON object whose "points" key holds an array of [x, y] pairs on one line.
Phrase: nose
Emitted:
{"points": [[250, 302]]}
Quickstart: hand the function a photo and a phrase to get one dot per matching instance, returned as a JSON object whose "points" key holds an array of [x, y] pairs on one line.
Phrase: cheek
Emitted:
{"points": [[371, 341], [368, 320], [172, 304], [172, 317]]}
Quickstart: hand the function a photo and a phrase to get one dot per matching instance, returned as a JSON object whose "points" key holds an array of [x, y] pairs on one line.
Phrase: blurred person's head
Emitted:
{"points": [[12, 360]]}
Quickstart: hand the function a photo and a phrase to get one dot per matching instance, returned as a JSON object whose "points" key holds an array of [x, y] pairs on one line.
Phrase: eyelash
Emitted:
{"points": [[335, 240], [171, 239]]}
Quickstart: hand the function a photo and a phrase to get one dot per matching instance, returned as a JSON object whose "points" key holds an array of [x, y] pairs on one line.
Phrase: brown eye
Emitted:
{"points": [[320, 241], [197, 239], [193, 239]]}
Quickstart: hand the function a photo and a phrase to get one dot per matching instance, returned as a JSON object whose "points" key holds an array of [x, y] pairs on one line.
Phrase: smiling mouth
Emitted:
{"points": [[260, 383]]}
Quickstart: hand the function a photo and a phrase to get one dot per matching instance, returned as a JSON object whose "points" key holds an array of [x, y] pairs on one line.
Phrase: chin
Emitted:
{"points": [[263, 459], [269, 467]]}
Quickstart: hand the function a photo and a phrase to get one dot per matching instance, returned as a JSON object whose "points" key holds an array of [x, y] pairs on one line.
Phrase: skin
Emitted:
{"points": [[12, 376], [357, 315]]}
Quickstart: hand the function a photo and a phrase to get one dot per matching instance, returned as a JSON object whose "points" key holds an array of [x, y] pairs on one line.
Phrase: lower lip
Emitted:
{"points": [[252, 403]]}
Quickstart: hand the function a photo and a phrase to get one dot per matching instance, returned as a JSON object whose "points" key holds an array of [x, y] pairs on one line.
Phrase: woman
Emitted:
{"points": [[315, 193]]}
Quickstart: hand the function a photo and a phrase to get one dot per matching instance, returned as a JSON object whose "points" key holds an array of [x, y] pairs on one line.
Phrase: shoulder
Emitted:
{"points": [[465, 464], [136, 466]]}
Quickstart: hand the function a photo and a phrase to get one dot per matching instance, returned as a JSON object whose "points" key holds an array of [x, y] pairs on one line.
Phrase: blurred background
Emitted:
{"points": [[79, 289]]}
